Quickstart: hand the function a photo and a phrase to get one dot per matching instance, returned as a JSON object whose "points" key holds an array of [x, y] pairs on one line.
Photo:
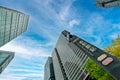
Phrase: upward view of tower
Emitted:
{"points": [[70, 55], [107, 3], [68, 59], [12, 24]]}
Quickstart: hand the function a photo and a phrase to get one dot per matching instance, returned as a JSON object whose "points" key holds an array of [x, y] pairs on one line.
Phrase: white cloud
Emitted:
{"points": [[95, 28], [11, 77], [114, 36], [21, 77], [59, 12], [64, 13], [26, 47], [28, 62], [116, 26], [73, 23]]}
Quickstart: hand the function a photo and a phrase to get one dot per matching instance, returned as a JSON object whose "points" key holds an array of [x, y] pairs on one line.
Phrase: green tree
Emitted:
{"points": [[114, 48], [96, 72]]}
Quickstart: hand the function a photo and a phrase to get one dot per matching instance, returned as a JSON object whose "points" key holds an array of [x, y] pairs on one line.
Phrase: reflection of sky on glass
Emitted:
{"points": [[47, 19]]}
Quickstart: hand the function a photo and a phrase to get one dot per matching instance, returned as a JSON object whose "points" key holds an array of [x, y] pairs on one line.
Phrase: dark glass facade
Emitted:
{"points": [[49, 70], [12, 24], [5, 59]]}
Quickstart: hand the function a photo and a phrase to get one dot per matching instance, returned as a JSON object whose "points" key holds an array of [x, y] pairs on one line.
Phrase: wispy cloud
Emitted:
{"points": [[114, 36], [73, 23], [13, 77], [47, 19], [96, 29], [116, 26], [28, 63], [30, 53], [27, 48], [58, 12]]}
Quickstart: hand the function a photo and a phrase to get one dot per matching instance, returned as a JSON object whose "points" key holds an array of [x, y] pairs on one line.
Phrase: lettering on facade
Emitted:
{"points": [[88, 46]]}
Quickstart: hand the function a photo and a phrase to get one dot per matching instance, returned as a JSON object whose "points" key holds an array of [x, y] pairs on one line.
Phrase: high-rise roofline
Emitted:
{"points": [[13, 10]]}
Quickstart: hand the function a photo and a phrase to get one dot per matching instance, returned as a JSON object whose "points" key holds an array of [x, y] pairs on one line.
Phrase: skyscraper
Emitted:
{"points": [[12, 24], [68, 59], [107, 3], [49, 70], [5, 58], [71, 53]]}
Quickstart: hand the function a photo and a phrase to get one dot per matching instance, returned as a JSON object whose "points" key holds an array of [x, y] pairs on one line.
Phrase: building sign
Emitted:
{"points": [[87, 46], [107, 61]]}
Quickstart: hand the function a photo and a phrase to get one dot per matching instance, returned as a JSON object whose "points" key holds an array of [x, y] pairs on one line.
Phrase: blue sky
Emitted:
{"points": [[48, 18]]}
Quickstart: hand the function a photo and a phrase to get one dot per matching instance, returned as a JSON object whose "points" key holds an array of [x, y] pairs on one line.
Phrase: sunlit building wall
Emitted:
{"points": [[71, 53], [12, 24], [68, 59]]}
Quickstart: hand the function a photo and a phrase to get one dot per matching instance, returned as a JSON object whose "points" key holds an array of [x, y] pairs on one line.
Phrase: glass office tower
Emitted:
{"points": [[107, 3], [71, 53], [49, 70], [68, 59], [12, 24], [5, 58]]}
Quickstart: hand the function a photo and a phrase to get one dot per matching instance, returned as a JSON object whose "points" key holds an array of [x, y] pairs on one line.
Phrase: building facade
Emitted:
{"points": [[49, 70], [70, 55], [107, 61], [107, 3], [68, 59], [5, 59], [12, 24]]}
